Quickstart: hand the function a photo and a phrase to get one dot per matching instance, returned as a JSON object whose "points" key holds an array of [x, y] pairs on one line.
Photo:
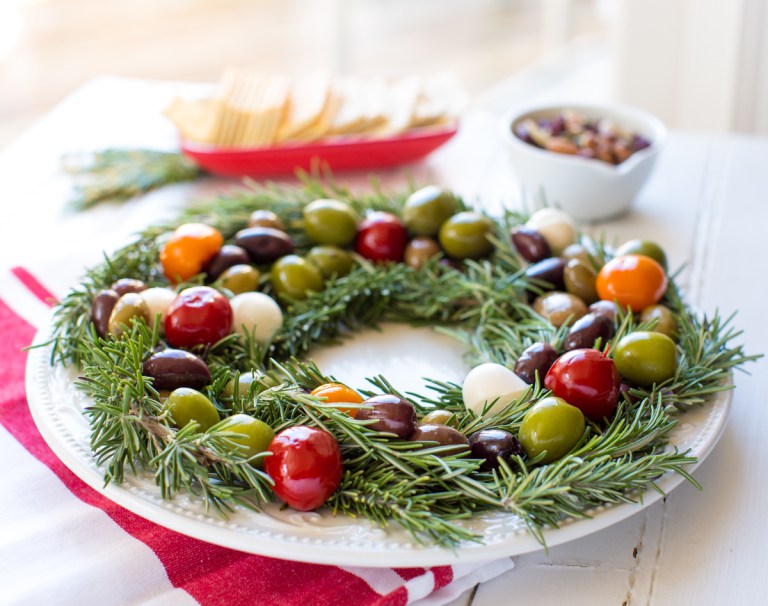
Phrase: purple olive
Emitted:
{"points": [[392, 414], [264, 244], [128, 285], [443, 435], [548, 274], [101, 309], [536, 358], [229, 256], [587, 330], [530, 244], [174, 368], [493, 445], [604, 308]]}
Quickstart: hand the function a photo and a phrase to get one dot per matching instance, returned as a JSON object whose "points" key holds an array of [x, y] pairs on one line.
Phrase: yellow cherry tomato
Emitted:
{"points": [[337, 393], [189, 248], [633, 281]]}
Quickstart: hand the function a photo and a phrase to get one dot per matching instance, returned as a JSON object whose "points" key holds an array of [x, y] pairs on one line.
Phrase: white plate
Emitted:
{"points": [[397, 352]]}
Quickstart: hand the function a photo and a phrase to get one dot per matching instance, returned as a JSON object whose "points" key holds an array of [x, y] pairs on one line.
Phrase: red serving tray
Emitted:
{"points": [[338, 154]]}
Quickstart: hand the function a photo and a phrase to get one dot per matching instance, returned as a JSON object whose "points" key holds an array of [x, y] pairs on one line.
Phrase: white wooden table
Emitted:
{"points": [[706, 204]]}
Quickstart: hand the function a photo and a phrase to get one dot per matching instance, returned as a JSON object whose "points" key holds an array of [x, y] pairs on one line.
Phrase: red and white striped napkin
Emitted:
{"points": [[62, 542]]}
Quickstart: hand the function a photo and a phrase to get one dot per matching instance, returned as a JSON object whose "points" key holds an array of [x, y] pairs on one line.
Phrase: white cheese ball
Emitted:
{"points": [[555, 226], [158, 301], [486, 383], [257, 314]]}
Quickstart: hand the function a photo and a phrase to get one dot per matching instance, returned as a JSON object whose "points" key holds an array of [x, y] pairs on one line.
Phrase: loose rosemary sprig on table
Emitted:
{"points": [[115, 175], [484, 305]]}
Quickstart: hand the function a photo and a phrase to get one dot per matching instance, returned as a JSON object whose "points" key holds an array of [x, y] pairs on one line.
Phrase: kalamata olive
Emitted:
{"points": [[228, 256], [189, 405], [125, 285], [644, 247], [129, 307], [588, 329], [173, 368], [265, 218], [443, 435], [439, 417], [239, 279], [420, 250], [548, 273], [330, 260], [101, 309], [580, 278], [536, 358], [392, 414], [609, 309], [264, 244], [493, 445], [666, 323], [560, 307], [530, 244], [645, 358], [465, 235], [427, 209]]}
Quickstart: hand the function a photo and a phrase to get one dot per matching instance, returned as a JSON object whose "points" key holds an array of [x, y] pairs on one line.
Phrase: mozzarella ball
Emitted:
{"points": [[158, 300], [486, 383], [257, 314], [555, 226]]}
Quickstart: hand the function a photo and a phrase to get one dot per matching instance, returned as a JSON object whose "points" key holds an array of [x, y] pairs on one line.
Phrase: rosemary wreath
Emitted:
{"points": [[424, 490]]}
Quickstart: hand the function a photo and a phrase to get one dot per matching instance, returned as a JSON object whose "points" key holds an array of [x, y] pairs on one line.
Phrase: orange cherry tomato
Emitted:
{"points": [[189, 248], [336, 392], [633, 281]]}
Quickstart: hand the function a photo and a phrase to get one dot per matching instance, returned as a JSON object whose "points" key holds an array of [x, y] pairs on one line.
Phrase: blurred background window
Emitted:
{"points": [[699, 64]]}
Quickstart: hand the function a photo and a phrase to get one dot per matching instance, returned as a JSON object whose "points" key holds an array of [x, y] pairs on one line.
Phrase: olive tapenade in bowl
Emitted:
{"points": [[589, 160]]}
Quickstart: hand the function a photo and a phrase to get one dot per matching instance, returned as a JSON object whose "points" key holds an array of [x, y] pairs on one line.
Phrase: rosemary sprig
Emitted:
{"points": [[115, 175]]}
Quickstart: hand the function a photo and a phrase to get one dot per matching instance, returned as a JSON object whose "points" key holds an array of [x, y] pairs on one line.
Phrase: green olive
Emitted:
{"points": [[266, 218], [580, 280], [331, 260], [131, 306], [560, 307], [465, 236], [645, 358], [666, 323], [420, 250], [438, 417], [254, 436], [239, 279], [186, 404], [552, 425], [427, 209], [330, 222], [644, 247], [295, 277], [244, 381]]}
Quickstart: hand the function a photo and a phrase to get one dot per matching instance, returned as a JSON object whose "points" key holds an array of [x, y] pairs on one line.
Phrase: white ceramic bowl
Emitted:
{"points": [[587, 189]]}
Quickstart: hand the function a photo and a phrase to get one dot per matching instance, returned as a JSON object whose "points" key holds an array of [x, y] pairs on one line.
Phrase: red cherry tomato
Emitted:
{"points": [[382, 237], [305, 466], [198, 316], [587, 379], [188, 249], [634, 281]]}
